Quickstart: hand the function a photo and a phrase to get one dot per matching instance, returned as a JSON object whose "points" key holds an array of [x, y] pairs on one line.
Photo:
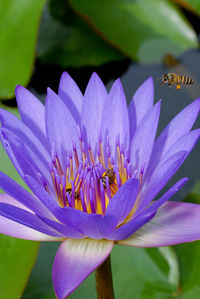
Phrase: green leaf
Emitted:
{"points": [[137, 273], [189, 258], [193, 5], [17, 258], [144, 30], [19, 20], [64, 39]]}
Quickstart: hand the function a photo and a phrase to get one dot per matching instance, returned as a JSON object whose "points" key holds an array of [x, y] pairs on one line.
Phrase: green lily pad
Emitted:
{"points": [[193, 5], [64, 39], [143, 30], [189, 258], [19, 21], [17, 258]]}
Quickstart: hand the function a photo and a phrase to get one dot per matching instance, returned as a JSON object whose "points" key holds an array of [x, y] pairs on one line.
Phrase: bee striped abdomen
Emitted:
{"points": [[186, 80]]}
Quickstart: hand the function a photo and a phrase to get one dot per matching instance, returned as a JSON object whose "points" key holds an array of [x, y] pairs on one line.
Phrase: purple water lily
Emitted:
{"points": [[94, 168]]}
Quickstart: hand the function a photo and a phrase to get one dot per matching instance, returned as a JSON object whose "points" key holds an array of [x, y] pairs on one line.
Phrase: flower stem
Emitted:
{"points": [[104, 283]]}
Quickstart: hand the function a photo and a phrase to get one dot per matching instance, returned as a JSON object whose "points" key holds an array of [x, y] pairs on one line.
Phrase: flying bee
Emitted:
{"points": [[174, 79], [111, 176]]}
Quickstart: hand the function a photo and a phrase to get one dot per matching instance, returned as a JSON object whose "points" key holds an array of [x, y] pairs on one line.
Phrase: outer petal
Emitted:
{"points": [[26, 218], [162, 174], [23, 157], [140, 104], [156, 204], [32, 112], [12, 123], [143, 140], [94, 99], [17, 230], [115, 123], [71, 95], [129, 228], [75, 260], [185, 143], [124, 200], [174, 223], [61, 127], [178, 127], [21, 195], [83, 223]]}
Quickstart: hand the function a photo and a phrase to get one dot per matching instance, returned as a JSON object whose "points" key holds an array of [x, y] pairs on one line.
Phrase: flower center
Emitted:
{"points": [[86, 183]]}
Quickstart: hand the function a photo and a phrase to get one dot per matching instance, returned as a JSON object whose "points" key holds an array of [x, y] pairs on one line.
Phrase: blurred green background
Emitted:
{"points": [[133, 39]]}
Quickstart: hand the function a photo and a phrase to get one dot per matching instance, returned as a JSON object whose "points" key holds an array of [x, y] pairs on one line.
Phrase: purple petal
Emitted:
{"points": [[63, 229], [174, 223], [13, 124], [94, 99], [143, 140], [131, 227], [17, 230], [178, 127], [75, 260], [22, 196], [71, 95], [61, 127], [162, 174], [115, 122], [86, 224], [158, 203], [48, 201], [23, 157], [124, 200], [185, 143], [140, 104], [27, 219], [32, 112]]}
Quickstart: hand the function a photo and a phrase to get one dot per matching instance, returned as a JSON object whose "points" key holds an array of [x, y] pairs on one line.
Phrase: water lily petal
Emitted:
{"points": [[71, 95], [140, 104], [131, 227], [162, 174], [23, 157], [32, 112], [22, 196], [185, 143], [25, 134], [61, 127], [63, 229], [175, 188], [17, 230], [179, 126], [174, 223], [75, 260], [115, 122], [94, 99], [85, 224], [124, 200], [143, 140], [27, 219]]}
